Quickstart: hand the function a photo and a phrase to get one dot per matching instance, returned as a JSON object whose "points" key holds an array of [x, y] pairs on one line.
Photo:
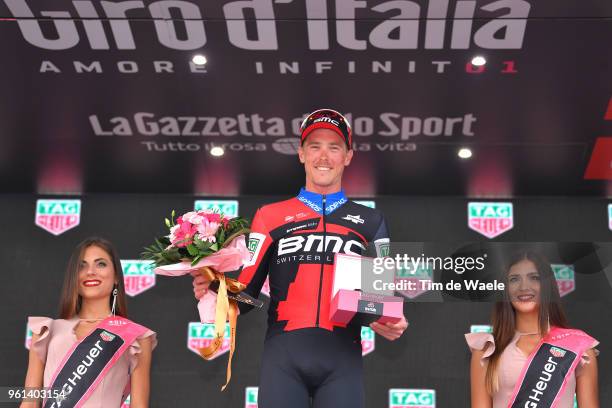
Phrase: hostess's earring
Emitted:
{"points": [[115, 291]]}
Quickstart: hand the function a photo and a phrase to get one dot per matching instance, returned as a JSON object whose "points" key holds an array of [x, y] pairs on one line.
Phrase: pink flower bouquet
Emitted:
{"points": [[210, 244]]}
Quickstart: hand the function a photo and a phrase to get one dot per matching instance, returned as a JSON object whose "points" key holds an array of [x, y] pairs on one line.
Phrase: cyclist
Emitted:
{"points": [[309, 360]]}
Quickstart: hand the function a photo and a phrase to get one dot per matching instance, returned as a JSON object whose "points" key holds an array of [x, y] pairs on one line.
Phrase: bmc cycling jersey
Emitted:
{"points": [[293, 242]]}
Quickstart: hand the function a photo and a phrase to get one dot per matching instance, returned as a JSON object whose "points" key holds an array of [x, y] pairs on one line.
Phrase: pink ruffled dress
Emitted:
{"points": [[58, 336], [511, 364]]}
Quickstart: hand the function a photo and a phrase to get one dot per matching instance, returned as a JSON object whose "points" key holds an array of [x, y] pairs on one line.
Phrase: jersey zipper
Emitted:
{"points": [[322, 263]]}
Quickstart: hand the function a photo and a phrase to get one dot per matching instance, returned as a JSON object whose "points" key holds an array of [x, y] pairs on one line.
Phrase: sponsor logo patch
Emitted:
{"points": [[413, 398], [200, 335], [138, 276], [57, 216], [481, 328], [227, 207], [557, 352], [368, 340], [256, 241], [106, 336], [490, 219], [354, 218], [565, 277]]}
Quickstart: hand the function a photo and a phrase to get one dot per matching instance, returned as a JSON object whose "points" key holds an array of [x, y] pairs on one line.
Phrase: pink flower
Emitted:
{"points": [[207, 230], [182, 233], [213, 217]]}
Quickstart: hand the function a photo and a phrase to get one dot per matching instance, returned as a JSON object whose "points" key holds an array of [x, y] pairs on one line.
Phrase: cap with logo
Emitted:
{"points": [[327, 119]]}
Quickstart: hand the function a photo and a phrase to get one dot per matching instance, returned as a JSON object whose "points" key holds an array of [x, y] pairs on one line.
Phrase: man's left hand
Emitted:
{"points": [[390, 331]]}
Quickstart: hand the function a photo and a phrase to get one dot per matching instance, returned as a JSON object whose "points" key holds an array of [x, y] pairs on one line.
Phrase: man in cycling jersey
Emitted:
{"points": [[309, 360]]}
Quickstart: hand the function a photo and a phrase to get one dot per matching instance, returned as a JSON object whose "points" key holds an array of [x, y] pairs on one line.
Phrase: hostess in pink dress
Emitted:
{"points": [[58, 336], [511, 364]]}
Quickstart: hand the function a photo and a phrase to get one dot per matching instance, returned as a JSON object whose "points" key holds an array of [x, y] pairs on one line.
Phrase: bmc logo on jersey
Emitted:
{"points": [[314, 243]]}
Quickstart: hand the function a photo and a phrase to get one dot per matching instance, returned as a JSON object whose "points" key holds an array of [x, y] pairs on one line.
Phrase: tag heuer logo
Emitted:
{"points": [[58, 216], [557, 352], [250, 397], [138, 276], [405, 398], [368, 340], [106, 336], [490, 219], [200, 335], [227, 207], [565, 277], [354, 218], [481, 328]]}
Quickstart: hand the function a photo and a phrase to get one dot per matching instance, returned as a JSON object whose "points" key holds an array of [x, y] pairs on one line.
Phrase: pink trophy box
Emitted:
{"points": [[350, 305]]}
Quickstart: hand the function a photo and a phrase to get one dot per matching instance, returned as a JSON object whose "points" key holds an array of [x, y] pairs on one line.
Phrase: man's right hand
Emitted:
{"points": [[200, 285]]}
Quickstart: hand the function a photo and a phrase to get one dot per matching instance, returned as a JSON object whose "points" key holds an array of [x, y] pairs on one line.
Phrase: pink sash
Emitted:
{"points": [[545, 374], [90, 359]]}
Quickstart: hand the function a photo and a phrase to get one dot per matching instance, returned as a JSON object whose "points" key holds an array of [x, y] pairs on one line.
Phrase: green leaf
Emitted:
{"points": [[203, 245], [196, 259], [214, 247], [236, 234], [193, 250], [168, 223], [221, 235]]}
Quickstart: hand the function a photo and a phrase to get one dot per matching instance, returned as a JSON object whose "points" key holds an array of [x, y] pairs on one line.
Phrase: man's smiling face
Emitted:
{"points": [[324, 155]]}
